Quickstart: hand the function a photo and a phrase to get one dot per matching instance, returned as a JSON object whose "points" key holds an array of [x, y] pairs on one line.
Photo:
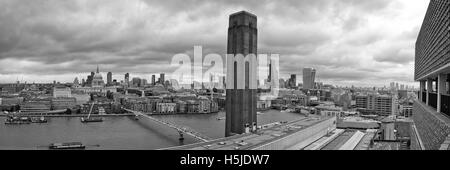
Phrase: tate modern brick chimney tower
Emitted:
{"points": [[241, 86]]}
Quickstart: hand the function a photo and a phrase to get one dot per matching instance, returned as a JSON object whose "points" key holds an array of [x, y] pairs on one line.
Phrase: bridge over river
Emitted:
{"points": [[181, 129]]}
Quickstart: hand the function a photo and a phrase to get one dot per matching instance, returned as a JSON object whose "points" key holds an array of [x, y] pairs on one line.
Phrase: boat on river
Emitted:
{"points": [[69, 145]]}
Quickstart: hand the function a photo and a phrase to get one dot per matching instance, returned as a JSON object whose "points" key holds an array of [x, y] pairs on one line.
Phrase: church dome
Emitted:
{"points": [[97, 79], [97, 76]]}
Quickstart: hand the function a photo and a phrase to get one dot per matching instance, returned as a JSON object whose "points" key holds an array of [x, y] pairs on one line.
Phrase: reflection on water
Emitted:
{"points": [[121, 132]]}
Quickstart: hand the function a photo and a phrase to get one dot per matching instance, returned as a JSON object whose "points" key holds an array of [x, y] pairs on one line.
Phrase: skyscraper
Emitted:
{"points": [[293, 81], [269, 78], [309, 75], [241, 74], [109, 78], [127, 79], [161, 78], [153, 79]]}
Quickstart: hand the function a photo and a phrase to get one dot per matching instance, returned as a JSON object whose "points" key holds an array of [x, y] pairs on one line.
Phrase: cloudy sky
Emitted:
{"points": [[360, 42]]}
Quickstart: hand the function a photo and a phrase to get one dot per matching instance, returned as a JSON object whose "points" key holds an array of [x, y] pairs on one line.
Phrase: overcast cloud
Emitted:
{"points": [[361, 42]]}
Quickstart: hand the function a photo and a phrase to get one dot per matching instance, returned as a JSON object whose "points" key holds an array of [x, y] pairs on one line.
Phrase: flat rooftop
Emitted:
{"points": [[358, 119], [339, 141], [253, 140]]}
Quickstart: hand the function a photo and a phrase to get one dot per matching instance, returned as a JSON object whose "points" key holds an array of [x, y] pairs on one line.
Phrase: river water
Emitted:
{"points": [[121, 132]]}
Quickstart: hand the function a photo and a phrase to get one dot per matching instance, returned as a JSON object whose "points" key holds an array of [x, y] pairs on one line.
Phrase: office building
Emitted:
{"points": [[432, 70], [61, 103], [383, 105], [61, 91], [161, 78], [309, 75], [361, 101], [109, 78], [292, 81], [153, 80], [127, 79]]}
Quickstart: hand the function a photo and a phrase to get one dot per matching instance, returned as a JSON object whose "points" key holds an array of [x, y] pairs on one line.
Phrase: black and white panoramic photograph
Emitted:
{"points": [[225, 75]]}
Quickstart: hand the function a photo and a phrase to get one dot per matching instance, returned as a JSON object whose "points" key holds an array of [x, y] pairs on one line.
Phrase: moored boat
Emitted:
{"points": [[91, 119], [69, 145], [39, 120], [15, 120]]}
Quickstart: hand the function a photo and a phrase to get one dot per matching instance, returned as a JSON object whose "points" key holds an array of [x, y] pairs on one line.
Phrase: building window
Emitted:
{"points": [[247, 74], [235, 75]]}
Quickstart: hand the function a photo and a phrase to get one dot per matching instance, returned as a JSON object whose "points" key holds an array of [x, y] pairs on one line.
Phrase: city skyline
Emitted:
{"points": [[148, 77], [335, 78], [346, 44]]}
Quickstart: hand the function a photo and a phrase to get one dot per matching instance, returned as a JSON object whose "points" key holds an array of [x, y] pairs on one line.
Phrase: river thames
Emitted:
{"points": [[121, 132]]}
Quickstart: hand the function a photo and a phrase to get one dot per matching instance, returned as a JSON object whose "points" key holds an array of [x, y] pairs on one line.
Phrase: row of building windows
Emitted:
{"points": [[432, 46]]}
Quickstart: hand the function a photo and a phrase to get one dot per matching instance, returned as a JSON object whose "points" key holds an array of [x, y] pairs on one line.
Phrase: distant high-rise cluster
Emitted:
{"points": [[396, 86], [292, 81]]}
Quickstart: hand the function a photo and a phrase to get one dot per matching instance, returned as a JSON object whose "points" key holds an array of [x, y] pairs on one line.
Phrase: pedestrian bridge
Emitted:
{"points": [[181, 129]]}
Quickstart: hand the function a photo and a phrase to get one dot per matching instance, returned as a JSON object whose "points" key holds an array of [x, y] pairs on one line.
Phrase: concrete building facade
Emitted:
{"points": [[380, 104], [62, 91], [431, 110]]}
